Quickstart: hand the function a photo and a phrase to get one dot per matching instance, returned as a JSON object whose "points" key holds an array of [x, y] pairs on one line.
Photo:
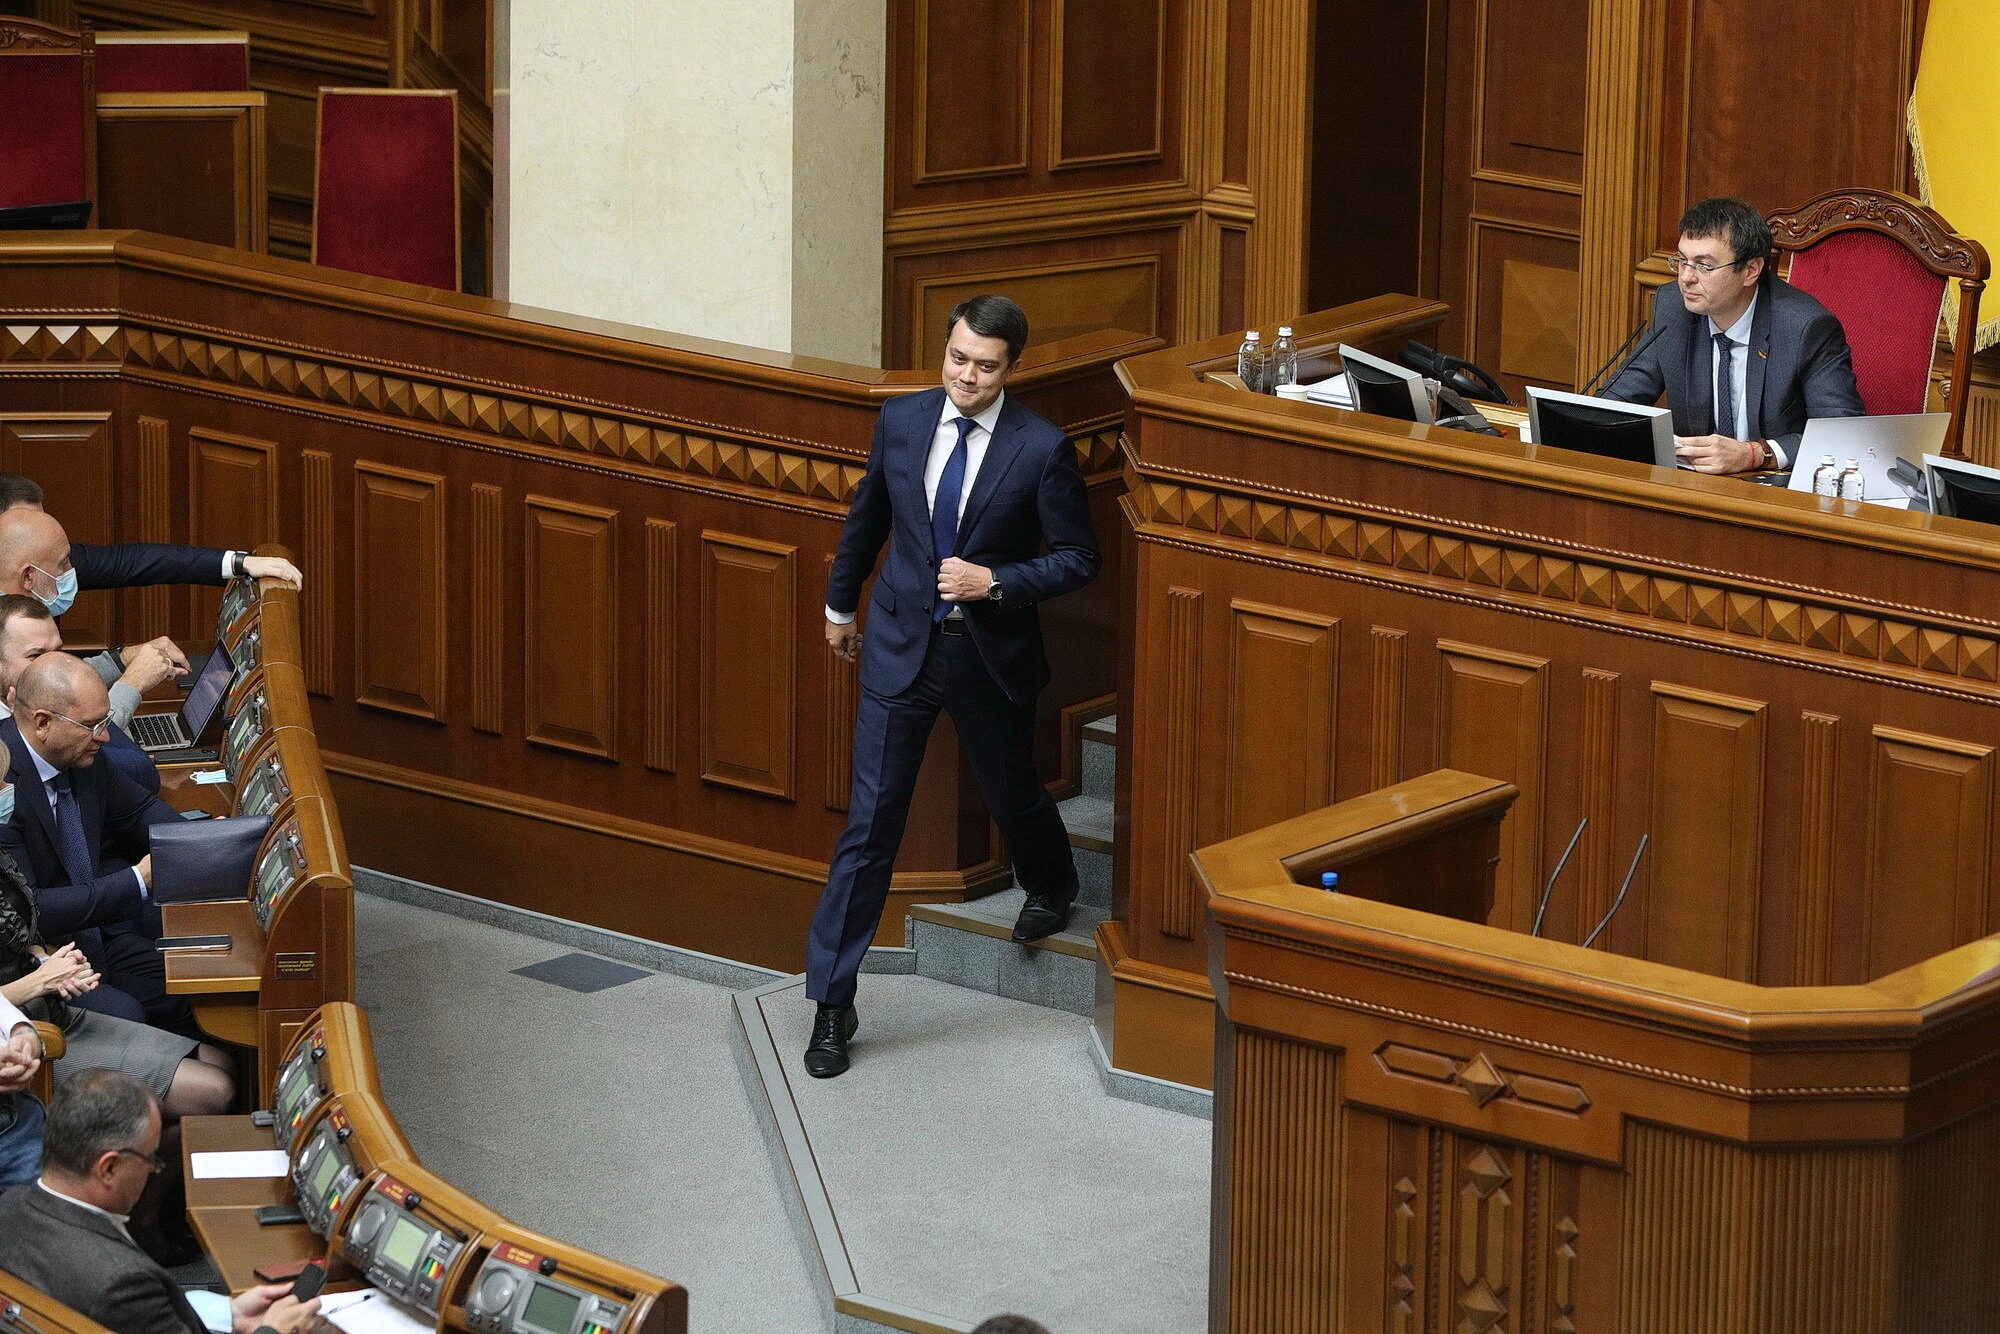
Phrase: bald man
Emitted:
{"points": [[79, 832]]}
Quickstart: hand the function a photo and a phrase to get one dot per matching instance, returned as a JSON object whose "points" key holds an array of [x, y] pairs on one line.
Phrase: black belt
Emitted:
{"points": [[952, 626]]}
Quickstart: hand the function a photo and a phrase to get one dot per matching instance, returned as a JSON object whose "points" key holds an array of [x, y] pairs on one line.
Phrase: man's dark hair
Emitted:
{"points": [[1010, 1324], [94, 1112], [992, 317], [21, 604], [18, 490], [1749, 236]]}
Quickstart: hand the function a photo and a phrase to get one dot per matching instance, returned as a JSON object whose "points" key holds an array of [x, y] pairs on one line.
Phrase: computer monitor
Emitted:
{"points": [[1962, 490], [1384, 388], [45, 217], [1601, 426]]}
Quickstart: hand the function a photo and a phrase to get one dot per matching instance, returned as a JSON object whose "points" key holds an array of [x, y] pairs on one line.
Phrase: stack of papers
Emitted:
{"points": [[1331, 391]]}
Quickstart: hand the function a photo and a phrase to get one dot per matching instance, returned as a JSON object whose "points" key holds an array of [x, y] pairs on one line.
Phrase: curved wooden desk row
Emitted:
{"points": [[292, 935], [1424, 1122], [391, 1223], [25, 1309], [1791, 698]]}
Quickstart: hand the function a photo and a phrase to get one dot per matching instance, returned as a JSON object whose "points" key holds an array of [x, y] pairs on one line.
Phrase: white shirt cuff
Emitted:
{"points": [[840, 617], [1779, 459], [228, 564], [145, 895]]}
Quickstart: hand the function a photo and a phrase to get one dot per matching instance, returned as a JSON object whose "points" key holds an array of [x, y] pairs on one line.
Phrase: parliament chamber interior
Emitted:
{"points": [[1518, 883]]}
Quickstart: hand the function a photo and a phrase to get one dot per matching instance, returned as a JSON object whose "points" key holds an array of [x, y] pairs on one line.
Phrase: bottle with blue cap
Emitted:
{"points": [[1329, 881]]}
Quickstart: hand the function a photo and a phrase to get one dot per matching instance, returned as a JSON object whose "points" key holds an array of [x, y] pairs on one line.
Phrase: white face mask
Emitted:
{"points": [[6, 803]]}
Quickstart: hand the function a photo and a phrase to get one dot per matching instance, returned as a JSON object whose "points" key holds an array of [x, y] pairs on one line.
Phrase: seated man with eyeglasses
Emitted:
{"points": [[79, 834], [1744, 358], [68, 1232]]}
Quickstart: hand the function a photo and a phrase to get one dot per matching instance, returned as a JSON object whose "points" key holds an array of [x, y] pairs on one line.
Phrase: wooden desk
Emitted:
{"points": [[224, 1212]]}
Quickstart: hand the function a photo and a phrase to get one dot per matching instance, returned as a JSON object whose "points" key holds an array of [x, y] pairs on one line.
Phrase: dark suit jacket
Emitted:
{"points": [[80, 1259], [1798, 367], [137, 564], [116, 814], [1027, 519]]}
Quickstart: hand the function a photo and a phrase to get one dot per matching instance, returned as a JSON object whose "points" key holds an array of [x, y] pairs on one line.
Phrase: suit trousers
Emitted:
{"points": [[890, 734]]}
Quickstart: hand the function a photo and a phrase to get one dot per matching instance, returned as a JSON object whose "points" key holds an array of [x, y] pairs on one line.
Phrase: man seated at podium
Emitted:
{"points": [[1744, 358]]}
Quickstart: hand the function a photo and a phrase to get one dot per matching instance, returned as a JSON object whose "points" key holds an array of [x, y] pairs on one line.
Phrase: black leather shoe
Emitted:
{"points": [[826, 1054], [1039, 918]]}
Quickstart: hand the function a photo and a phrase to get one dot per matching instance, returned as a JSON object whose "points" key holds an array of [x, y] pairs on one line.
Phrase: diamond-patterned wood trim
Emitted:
{"points": [[59, 345], [1695, 607]]}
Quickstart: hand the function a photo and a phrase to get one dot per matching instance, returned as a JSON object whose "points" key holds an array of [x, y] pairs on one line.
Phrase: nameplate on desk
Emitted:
{"points": [[302, 966]]}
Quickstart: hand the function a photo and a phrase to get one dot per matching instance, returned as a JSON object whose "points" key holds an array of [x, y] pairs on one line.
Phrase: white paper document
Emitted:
{"points": [[370, 1311], [241, 1163]]}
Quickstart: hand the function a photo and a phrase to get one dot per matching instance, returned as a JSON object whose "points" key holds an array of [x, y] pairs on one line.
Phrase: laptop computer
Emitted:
{"points": [[1878, 444], [178, 731]]}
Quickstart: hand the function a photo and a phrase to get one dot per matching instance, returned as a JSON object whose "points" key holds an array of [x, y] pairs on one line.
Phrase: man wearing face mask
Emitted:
{"points": [[78, 832], [27, 631]]}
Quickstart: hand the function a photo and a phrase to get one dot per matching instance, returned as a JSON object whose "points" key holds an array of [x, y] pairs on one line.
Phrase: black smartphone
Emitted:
{"points": [[310, 1280], [274, 1215], [193, 943]]}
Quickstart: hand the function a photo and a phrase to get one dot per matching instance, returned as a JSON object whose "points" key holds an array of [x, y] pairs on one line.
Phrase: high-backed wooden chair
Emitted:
{"points": [[1881, 261], [54, 1047], [195, 61], [48, 114], [385, 192]]}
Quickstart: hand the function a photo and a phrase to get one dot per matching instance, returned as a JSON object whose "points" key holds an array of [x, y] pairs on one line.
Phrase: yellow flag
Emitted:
{"points": [[1955, 129]]}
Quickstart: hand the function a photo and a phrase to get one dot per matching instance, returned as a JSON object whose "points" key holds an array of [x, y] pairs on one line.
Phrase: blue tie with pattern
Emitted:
{"points": [[71, 845], [944, 508]]}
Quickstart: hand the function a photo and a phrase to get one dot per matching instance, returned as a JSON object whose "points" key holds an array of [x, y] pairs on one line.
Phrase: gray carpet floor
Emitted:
{"points": [[972, 1158]]}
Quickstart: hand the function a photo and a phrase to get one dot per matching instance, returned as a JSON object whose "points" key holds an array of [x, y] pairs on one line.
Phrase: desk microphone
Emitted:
{"points": [[414, 1202], [1550, 888], [1619, 902], [1592, 381]]}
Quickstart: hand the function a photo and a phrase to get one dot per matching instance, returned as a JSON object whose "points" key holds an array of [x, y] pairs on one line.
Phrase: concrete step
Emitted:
{"points": [[1100, 758], [1088, 820], [968, 945]]}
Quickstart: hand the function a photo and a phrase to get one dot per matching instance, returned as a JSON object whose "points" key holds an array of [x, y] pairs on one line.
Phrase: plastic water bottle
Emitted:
{"points": [[1329, 881], [1826, 478], [1252, 362], [1850, 480], [1284, 360]]}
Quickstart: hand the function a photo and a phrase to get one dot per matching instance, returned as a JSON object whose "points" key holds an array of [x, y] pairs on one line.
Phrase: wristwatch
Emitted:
{"points": [[240, 565], [993, 591]]}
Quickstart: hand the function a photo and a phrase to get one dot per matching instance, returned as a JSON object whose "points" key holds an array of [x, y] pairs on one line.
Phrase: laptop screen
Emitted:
{"points": [[209, 689]]}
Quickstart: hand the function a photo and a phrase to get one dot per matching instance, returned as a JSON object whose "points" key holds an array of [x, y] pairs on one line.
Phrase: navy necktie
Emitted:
{"points": [[944, 507], [1725, 386], [71, 846]]}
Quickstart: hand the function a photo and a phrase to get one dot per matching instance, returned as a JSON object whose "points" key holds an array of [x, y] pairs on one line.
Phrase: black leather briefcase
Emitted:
{"points": [[199, 860]]}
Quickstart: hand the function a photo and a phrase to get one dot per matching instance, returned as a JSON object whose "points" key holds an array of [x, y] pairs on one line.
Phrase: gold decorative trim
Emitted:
{"points": [[1637, 599], [60, 345]]}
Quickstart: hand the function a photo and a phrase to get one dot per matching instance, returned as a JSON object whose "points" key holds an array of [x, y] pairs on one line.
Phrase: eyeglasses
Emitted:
{"points": [[155, 1164], [1679, 263], [101, 729]]}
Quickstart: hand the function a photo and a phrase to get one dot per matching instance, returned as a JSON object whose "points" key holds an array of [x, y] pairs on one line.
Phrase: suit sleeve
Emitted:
{"points": [[1826, 374], [1642, 379], [129, 811], [142, 1301], [1072, 559], [867, 528], [65, 909], [141, 564]]}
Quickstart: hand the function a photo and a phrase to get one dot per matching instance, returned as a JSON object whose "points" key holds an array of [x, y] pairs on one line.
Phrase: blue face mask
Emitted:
{"points": [[65, 590], [6, 803]]}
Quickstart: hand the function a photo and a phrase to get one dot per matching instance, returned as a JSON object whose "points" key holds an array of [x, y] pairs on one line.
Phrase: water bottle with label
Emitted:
{"points": [[1252, 362], [1826, 477], [1850, 480], [1284, 367]]}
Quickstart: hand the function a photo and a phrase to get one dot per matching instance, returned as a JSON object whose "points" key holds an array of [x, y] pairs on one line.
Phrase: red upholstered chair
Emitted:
{"points": [[48, 114], [1880, 261], [173, 62], [385, 197]]}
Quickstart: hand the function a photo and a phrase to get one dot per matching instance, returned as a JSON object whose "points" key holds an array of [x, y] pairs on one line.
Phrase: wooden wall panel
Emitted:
{"points": [[1181, 716], [662, 643], [185, 164], [315, 562], [1598, 871], [749, 697], [1707, 831], [1819, 846], [1391, 653], [1109, 82], [489, 609], [1283, 687], [973, 87], [70, 454], [570, 593], [156, 493], [1929, 842], [1287, 1159], [232, 501], [1492, 714], [399, 590], [1532, 127]]}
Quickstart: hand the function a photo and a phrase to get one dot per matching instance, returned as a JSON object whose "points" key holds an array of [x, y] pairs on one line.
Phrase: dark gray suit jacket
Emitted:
{"points": [[82, 1260], [1799, 367]]}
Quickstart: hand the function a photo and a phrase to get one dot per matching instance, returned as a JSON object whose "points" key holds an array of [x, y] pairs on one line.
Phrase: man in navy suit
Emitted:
{"points": [[985, 514], [1744, 358]]}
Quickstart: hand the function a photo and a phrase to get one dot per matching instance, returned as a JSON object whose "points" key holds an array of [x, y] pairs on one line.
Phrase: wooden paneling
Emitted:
{"points": [[749, 700], [1109, 82], [1930, 825], [1390, 649], [232, 501], [1286, 1162], [489, 608], [1492, 713], [1819, 845], [399, 591], [662, 643], [1531, 127], [156, 491], [1524, 307], [1283, 689], [315, 562], [1181, 715], [184, 164], [973, 89], [1597, 872], [70, 454], [1707, 830], [570, 680]]}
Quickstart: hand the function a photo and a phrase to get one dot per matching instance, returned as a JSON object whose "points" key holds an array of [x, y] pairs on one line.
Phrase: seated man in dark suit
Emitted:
{"points": [[27, 631], [78, 832], [67, 1232], [1744, 358]]}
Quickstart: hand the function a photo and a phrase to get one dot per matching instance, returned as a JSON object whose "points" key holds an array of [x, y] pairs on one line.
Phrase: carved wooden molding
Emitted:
{"points": [[1181, 911], [155, 513], [1852, 638], [1480, 1079], [36, 37], [1941, 250], [66, 344], [489, 630]]}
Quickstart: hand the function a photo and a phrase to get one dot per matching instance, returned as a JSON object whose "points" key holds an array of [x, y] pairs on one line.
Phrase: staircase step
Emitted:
{"points": [[1093, 878], [1103, 729], [1088, 820], [1100, 768], [968, 945]]}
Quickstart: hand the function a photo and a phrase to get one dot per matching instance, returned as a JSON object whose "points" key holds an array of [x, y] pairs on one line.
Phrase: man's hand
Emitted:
{"points": [[844, 640], [1717, 453], [272, 1304], [20, 1058], [148, 664], [273, 567], [145, 869], [962, 581]]}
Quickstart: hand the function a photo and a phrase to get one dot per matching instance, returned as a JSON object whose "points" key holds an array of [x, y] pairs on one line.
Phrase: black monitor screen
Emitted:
{"points": [[1605, 432], [45, 217], [1383, 395], [1965, 496]]}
